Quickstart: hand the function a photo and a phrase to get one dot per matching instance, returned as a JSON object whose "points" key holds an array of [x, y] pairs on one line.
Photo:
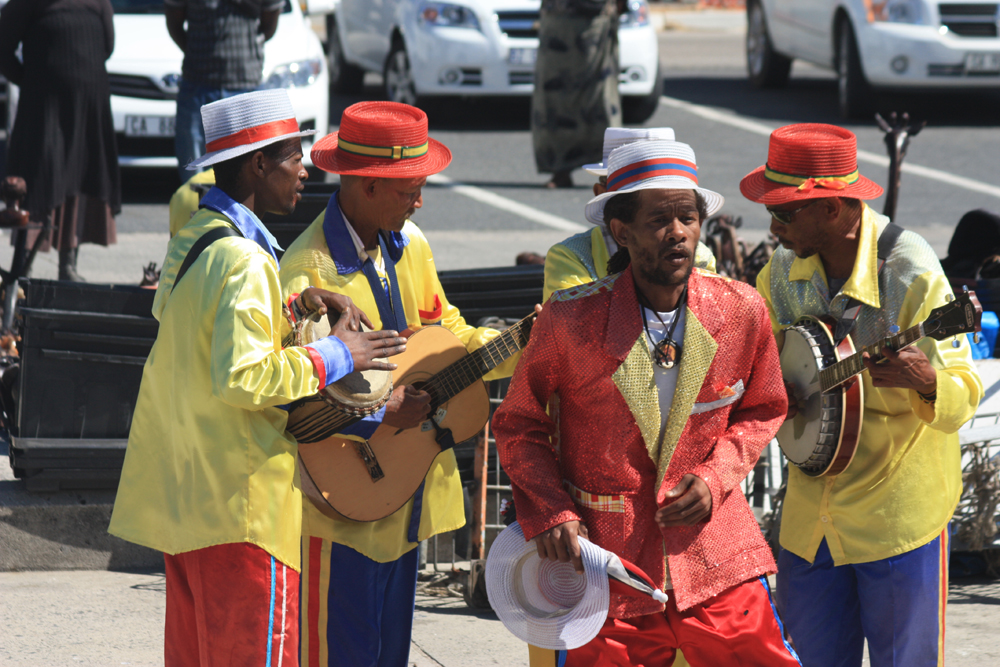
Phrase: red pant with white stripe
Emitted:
{"points": [[231, 604]]}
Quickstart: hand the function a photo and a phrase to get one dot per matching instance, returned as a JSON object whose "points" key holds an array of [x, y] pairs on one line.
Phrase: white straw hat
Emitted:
{"points": [[246, 123], [547, 604], [651, 165], [616, 137]]}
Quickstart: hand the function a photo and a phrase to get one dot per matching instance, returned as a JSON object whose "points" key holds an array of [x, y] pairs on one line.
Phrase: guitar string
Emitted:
{"points": [[845, 369]]}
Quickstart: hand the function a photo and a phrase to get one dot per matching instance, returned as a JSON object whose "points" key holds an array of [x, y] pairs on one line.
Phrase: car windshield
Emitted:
{"points": [[154, 6]]}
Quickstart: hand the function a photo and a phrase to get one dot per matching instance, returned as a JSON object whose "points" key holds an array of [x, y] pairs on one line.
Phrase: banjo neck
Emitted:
{"points": [[840, 372], [450, 382]]}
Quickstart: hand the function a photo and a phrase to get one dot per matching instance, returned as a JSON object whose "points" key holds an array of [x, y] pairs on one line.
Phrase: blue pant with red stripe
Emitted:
{"points": [[897, 603]]}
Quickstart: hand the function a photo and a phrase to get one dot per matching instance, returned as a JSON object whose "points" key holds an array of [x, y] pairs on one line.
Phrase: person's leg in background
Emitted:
{"points": [[820, 607]]}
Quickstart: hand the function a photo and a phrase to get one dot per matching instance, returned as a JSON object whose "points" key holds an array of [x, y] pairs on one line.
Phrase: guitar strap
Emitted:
{"points": [[205, 240], [886, 242]]}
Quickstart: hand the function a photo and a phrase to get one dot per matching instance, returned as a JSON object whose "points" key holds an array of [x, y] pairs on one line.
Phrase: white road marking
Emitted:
{"points": [[509, 205], [863, 156]]}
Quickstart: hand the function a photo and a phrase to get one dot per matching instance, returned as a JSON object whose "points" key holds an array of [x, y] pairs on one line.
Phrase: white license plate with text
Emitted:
{"points": [[982, 63], [149, 126], [522, 57]]}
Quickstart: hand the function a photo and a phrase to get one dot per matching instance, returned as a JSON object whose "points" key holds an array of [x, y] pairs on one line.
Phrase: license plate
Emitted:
{"points": [[522, 57], [149, 126], [982, 63]]}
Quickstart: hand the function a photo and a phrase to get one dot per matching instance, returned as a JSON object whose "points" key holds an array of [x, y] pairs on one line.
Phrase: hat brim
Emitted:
{"points": [[327, 156], [216, 157], [756, 187], [598, 169], [561, 630], [594, 211]]}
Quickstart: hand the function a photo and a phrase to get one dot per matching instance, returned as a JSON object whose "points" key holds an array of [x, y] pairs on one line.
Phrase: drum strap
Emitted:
{"points": [[205, 240], [388, 300], [886, 242]]}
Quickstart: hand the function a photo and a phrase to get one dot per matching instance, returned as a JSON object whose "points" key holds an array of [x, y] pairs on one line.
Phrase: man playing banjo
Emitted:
{"points": [[360, 577], [864, 553], [210, 476]]}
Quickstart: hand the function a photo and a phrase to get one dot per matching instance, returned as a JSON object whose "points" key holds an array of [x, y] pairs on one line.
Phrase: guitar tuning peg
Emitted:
{"points": [[894, 329]]}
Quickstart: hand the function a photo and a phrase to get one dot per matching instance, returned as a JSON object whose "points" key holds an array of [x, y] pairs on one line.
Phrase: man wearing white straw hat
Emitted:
{"points": [[210, 477], [668, 388], [583, 257]]}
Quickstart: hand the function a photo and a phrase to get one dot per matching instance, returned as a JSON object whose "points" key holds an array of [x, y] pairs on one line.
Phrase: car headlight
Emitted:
{"points": [[294, 75], [895, 11], [446, 14], [637, 15]]}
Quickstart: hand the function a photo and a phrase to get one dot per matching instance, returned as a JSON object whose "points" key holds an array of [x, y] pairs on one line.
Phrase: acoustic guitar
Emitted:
{"points": [[368, 481], [822, 437]]}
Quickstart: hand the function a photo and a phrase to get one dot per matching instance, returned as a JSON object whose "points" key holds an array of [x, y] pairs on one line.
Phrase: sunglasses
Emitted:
{"points": [[785, 217]]}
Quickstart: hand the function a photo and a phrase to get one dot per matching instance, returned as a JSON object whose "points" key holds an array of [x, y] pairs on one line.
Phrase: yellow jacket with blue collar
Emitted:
{"points": [[208, 461], [324, 256], [906, 477]]}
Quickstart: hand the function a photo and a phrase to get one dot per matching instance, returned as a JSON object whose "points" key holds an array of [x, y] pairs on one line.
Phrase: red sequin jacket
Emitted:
{"points": [[612, 463]]}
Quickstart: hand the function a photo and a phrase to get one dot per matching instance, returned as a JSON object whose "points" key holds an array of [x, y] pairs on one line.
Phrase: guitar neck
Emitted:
{"points": [[843, 370], [458, 376]]}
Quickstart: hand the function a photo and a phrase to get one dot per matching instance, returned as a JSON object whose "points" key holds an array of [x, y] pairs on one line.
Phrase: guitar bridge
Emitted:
{"points": [[369, 459]]}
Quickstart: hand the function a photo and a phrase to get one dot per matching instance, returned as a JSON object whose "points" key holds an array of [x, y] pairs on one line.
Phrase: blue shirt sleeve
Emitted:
{"points": [[337, 359], [367, 426]]}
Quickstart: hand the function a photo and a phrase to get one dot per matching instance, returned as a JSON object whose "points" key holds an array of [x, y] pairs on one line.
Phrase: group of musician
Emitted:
{"points": [[646, 394]]}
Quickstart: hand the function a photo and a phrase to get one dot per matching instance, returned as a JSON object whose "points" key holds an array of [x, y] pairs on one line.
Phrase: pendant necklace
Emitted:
{"points": [[667, 353]]}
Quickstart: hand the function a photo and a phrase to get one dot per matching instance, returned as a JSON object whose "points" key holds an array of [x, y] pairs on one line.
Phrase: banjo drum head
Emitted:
{"points": [[809, 439], [358, 393]]}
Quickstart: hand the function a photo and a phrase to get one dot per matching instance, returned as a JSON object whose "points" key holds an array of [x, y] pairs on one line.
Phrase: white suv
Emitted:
{"points": [[426, 48], [892, 44]]}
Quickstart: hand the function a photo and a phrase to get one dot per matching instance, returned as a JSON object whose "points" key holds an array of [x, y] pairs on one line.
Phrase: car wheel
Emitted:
{"points": [[345, 78], [637, 110], [398, 77], [855, 96], [766, 67]]}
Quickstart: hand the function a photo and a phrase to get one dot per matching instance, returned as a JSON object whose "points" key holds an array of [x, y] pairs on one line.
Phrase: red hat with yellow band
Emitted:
{"points": [[384, 139], [809, 161]]}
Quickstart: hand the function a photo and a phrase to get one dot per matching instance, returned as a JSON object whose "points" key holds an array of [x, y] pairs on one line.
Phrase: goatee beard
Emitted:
{"points": [[664, 279]]}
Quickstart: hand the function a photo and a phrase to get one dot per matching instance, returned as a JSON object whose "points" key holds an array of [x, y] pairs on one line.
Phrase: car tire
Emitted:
{"points": [[397, 76], [855, 96], [766, 67], [345, 78], [636, 110]]}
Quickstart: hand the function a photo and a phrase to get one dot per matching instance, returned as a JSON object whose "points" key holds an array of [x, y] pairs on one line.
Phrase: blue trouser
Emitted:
{"points": [[189, 134], [370, 609], [896, 603]]}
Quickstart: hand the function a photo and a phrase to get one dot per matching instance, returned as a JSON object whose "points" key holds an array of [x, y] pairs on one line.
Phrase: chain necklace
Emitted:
{"points": [[667, 353]]}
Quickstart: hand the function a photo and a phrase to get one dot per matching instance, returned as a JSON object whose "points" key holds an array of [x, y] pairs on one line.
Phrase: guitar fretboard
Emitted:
{"points": [[461, 374], [843, 370]]}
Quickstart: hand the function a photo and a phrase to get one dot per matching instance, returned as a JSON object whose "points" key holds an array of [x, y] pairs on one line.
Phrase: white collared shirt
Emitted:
{"points": [[360, 247]]}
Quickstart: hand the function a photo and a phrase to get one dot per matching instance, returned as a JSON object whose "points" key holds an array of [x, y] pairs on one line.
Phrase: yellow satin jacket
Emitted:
{"points": [[308, 262]]}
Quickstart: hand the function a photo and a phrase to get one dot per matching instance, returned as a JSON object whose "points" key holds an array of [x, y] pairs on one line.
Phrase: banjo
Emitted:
{"points": [[822, 437]]}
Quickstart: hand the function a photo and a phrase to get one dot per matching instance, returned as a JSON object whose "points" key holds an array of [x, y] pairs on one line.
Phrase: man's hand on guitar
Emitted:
{"points": [[908, 368], [322, 301], [407, 407], [693, 503], [367, 348], [561, 543]]}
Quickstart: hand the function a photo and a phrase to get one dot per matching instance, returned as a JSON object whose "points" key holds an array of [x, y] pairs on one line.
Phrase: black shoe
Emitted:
{"points": [[67, 266]]}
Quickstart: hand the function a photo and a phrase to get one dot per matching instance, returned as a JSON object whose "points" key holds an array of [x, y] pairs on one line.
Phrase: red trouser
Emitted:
{"points": [[231, 604], [738, 627]]}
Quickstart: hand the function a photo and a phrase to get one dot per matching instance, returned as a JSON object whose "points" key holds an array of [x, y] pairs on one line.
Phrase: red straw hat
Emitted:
{"points": [[386, 139], [809, 161]]}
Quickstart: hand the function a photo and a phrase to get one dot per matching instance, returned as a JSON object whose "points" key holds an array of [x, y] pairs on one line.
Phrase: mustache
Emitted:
{"points": [[677, 250]]}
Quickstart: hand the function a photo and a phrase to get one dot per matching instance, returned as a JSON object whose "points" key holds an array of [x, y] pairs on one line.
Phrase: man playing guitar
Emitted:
{"points": [[864, 553], [360, 577]]}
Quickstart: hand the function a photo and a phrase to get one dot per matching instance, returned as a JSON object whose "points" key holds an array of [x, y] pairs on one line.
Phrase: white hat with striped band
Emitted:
{"points": [[547, 604], [651, 165], [246, 123], [616, 137]]}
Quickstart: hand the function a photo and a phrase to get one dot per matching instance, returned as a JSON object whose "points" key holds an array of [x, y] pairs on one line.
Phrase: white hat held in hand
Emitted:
{"points": [[245, 123], [547, 604], [651, 165], [616, 137]]}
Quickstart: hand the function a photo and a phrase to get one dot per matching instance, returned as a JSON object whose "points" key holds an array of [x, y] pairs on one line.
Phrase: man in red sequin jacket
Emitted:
{"points": [[650, 455]]}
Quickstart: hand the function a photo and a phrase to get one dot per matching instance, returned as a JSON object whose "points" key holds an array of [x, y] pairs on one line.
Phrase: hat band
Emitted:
{"points": [[646, 169], [252, 135], [394, 152], [809, 182]]}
